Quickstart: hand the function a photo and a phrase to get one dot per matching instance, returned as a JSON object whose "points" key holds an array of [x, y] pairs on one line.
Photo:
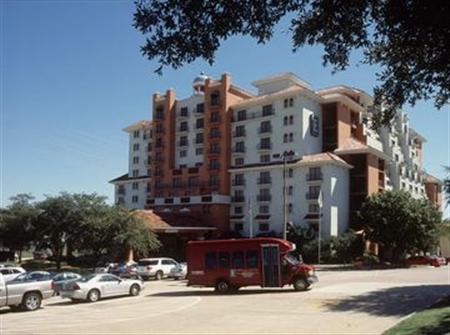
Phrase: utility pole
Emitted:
{"points": [[319, 232], [284, 197]]}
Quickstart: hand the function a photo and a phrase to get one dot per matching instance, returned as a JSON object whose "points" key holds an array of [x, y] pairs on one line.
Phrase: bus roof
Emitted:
{"points": [[258, 240]]}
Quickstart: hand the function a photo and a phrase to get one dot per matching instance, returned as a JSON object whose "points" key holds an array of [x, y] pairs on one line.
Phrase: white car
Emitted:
{"points": [[178, 272], [155, 267], [9, 273], [93, 287]]}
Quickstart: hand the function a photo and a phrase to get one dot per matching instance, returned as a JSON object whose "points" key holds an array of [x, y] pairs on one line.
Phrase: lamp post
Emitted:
{"points": [[285, 155]]}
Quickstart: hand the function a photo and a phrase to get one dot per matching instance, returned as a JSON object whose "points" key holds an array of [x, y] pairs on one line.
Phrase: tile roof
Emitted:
{"points": [[125, 177]]}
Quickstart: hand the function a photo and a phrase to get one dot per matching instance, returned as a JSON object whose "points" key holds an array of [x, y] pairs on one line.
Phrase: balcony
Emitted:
{"points": [[238, 182], [314, 176], [183, 128], [264, 146], [264, 197], [199, 140], [183, 143], [254, 115], [216, 119], [312, 195], [265, 130], [121, 191], [238, 199], [236, 134], [238, 149], [264, 180]]}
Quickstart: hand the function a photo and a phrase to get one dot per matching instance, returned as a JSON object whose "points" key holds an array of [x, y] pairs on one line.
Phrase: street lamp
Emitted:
{"points": [[286, 156]]}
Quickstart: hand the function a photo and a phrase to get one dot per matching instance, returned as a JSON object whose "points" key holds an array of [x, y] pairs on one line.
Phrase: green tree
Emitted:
{"points": [[408, 39], [399, 223], [447, 186], [17, 223]]}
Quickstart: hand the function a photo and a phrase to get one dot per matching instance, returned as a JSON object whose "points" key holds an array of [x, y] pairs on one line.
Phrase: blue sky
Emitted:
{"points": [[72, 77]]}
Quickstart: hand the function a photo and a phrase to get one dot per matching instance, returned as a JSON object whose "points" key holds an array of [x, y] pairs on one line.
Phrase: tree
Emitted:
{"points": [[408, 39], [400, 223], [447, 186], [17, 223]]}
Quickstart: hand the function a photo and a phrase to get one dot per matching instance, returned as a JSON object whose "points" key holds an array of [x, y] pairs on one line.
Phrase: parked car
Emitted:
{"points": [[25, 291], [441, 260], [93, 287], [64, 277], [124, 269], [40, 255], [10, 272], [155, 267], [178, 272], [423, 260]]}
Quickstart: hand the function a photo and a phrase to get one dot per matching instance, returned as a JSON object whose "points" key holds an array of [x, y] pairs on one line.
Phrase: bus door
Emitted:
{"points": [[271, 265]]}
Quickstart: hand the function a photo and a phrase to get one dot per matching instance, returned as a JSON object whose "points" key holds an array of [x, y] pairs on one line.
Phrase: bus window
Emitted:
{"points": [[210, 260], [252, 259], [238, 259], [224, 260]]}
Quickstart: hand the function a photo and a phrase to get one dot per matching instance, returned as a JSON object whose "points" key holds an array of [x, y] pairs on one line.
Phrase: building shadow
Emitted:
{"points": [[394, 301]]}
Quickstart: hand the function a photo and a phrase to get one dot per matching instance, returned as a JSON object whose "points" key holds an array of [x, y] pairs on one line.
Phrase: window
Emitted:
{"points": [[290, 172], [109, 278], [199, 138], [134, 199], [286, 103], [264, 158], [135, 173], [183, 153], [135, 186], [214, 148], [290, 208], [290, 190], [291, 137], [224, 260], [210, 260], [184, 126], [238, 210], [237, 260], [215, 98], [285, 138], [239, 180], [265, 127], [265, 143], [291, 119], [397, 158], [251, 259], [242, 115], [136, 134], [264, 177], [264, 209], [136, 160], [214, 164], [183, 141], [238, 226], [199, 123], [313, 208], [200, 108], [159, 115], [199, 151], [184, 111], [215, 117], [267, 110], [239, 161], [291, 102], [240, 131], [168, 262], [215, 132], [136, 147], [214, 180], [240, 147], [285, 121], [193, 181]]}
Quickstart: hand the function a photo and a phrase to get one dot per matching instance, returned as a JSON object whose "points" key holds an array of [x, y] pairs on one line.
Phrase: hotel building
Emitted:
{"points": [[226, 158]]}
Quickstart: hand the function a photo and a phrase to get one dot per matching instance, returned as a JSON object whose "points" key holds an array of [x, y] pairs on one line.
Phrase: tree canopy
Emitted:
{"points": [[400, 223], [408, 39]]}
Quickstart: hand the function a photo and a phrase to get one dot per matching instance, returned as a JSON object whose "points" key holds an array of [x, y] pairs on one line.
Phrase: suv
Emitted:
{"points": [[155, 267]]}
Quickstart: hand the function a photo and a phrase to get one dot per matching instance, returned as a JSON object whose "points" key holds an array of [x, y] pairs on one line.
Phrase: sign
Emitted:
{"points": [[314, 125]]}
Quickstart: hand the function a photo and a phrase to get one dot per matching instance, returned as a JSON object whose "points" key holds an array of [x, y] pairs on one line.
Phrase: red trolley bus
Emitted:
{"points": [[228, 265]]}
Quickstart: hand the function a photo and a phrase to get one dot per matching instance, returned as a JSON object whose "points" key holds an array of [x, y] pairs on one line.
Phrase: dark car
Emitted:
{"points": [[62, 278], [423, 260]]}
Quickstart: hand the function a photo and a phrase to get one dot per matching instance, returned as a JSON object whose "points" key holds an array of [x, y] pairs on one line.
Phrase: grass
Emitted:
{"points": [[431, 321]]}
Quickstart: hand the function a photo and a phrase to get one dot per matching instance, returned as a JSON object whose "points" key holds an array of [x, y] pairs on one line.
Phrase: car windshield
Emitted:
{"points": [[87, 278], [293, 258]]}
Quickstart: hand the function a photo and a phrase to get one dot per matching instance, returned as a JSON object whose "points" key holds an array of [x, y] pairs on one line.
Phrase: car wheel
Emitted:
{"points": [[159, 275], [134, 290], [300, 284], [31, 301], [93, 295], [222, 286]]}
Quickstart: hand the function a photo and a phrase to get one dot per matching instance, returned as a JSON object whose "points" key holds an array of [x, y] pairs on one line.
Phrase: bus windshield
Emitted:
{"points": [[293, 258]]}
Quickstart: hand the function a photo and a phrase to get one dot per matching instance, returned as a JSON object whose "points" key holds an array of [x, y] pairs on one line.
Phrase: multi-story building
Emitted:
{"points": [[227, 158], [133, 188]]}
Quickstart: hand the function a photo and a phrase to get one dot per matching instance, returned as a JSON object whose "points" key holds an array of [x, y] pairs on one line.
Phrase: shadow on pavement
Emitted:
{"points": [[207, 292], [394, 301]]}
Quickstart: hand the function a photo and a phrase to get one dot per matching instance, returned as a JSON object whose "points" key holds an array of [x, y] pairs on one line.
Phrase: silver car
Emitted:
{"points": [[96, 286]]}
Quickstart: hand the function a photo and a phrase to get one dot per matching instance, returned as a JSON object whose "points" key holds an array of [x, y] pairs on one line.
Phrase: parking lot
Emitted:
{"points": [[343, 302]]}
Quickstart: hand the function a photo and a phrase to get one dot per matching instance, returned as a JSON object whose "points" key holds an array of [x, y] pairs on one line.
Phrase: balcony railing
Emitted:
{"points": [[264, 146], [264, 180], [238, 149], [183, 143], [264, 197], [121, 191], [184, 128], [312, 195], [238, 133], [254, 115], [314, 176], [238, 199], [264, 130], [238, 182], [215, 119]]}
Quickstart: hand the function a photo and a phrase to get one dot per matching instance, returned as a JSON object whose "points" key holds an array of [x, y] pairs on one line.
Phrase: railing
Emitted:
{"points": [[312, 195], [264, 197], [238, 199], [238, 149], [215, 119], [238, 133], [314, 176], [238, 182], [183, 144], [180, 129], [264, 180], [121, 191], [254, 115], [266, 146], [264, 130]]}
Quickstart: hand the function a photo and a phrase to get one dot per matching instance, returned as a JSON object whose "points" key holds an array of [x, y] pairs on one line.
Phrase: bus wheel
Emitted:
{"points": [[222, 286], [300, 284]]}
